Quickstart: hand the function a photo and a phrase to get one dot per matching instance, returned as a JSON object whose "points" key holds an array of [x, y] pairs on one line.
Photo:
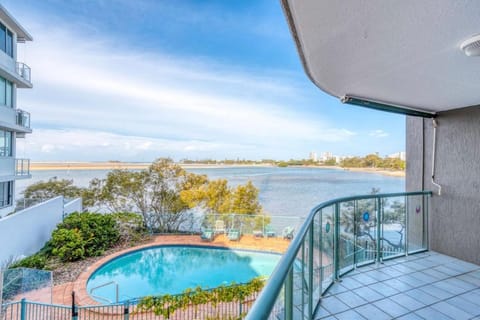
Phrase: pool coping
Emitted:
{"points": [[82, 298]]}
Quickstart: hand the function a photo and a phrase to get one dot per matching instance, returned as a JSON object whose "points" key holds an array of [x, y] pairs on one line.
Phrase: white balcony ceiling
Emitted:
{"points": [[399, 52]]}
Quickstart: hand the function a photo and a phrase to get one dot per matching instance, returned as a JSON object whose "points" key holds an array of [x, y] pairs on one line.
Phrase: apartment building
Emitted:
{"points": [[14, 122]]}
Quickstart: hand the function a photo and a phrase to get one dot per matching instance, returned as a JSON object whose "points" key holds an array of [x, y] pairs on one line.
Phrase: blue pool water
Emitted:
{"points": [[172, 269]]}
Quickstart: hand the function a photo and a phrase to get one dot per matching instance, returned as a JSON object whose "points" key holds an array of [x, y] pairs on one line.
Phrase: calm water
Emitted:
{"points": [[168, 269], [283, 191]]}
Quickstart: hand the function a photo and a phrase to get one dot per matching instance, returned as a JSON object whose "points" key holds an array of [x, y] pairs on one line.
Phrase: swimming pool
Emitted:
{"points": [[172, 269]]}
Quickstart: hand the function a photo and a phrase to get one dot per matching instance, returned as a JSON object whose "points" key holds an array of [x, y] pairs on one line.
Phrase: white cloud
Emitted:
{"points": [[378, 134], [90, 99]]}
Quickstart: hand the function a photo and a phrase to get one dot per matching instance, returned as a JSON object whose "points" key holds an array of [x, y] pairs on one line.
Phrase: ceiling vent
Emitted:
{"points": [[471, 46]]}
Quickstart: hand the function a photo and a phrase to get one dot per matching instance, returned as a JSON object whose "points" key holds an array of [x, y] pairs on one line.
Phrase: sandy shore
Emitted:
{"points": [[39, 166], [391, 173]]}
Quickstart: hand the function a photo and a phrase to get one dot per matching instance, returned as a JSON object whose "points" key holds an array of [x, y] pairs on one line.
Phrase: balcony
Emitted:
{"points": [[378, 244], [23, 118], [25, 74], [22, 169]]}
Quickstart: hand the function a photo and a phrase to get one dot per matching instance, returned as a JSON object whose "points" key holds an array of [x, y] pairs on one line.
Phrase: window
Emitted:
{"points": [[6, 40], [9, 94], [6, 93], [6, 138], [6, 191], [3, 89], [3, 37], [9, 43]]}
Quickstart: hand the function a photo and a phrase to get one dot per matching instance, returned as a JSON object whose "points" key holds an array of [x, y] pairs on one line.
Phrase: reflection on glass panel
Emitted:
{"points": [[8, 143], [5, 143], [346, 245], [3, 98], [3, 35], [6, 193], [9, 43], [417, 235], [366, 231], [393, 226], [9, 94], [299, 284], [2, 143], [327, 244]]}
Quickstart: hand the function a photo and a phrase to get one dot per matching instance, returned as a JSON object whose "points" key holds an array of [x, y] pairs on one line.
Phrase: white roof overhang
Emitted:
{"points": [[399, 55], [12, 23]]}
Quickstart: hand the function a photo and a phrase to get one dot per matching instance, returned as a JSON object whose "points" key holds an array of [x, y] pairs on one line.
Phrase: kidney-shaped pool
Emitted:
{"points": [[172, 269]]}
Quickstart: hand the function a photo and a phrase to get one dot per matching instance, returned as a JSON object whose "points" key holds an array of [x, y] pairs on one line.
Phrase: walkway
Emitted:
{"points": [[422, 286]]}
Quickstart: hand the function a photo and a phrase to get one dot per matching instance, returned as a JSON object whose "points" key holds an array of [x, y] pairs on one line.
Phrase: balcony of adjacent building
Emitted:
{"points": [[15, 71], [22, 121], [25, 73], [22, 169]]}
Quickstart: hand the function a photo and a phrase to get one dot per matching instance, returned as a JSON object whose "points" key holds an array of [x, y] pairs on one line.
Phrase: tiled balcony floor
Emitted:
{"points": [[423, 286]]}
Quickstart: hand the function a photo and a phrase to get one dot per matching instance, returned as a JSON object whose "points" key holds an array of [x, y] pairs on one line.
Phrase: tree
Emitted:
{"points": [[44, 190], [159, 193]]}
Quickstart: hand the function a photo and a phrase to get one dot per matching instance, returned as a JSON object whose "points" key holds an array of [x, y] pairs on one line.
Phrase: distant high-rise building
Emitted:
{"points": [[14, 123], [326, 156], [313, 156], [399, 155]]}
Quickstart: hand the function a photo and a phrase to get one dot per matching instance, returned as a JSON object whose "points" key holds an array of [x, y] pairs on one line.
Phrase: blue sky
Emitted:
{"points": [[136, 80]]}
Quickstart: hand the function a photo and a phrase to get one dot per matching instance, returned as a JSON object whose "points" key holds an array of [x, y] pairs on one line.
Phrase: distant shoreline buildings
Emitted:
{"points": [[329, 156]]}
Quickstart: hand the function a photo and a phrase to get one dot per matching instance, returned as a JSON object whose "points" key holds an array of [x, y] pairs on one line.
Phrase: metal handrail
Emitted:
{"points": [[23, 118], [22, 167], [24, 71], [105, 285], [266, 301]]}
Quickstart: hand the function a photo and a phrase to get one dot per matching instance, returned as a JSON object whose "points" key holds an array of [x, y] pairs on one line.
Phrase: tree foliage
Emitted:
{"points": [[373, 161], [166, 195], [166, 305], [54, 187], [83, 235]]}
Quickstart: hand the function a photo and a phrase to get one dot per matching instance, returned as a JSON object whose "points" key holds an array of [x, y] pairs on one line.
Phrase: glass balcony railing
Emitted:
{"points": [[23, 118], [24, 71], [338, 236], [22, 167]]}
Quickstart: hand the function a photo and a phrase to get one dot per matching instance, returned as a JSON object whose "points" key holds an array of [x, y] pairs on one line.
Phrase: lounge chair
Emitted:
{"points": [[207, 235], [234, 235], [269, 232], [258, 233], [219, 226], [287, 233]]}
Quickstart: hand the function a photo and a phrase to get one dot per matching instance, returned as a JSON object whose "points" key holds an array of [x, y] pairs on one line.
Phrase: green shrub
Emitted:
{"points": [[83, 235], [36, 261], [68, 245], [130, 226]]}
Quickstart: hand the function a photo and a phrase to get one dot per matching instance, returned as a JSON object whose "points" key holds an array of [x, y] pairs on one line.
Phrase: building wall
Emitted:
{"points": [[73, 206], [454, 221], [28, 230]]}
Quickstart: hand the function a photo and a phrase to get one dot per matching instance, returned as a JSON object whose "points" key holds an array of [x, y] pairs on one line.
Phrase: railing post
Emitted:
{"points": [[23, 309], [126, 311], [336, 241], [425, 202], [379, 225], [289, 295], [310, 270], [407, 207], [74, 308]]}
